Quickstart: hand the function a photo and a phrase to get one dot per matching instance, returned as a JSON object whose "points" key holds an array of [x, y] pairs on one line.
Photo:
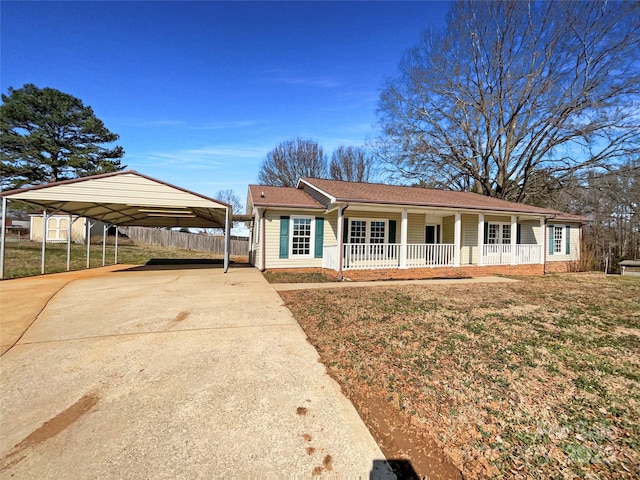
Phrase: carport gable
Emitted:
{"points": [[126, 199]]}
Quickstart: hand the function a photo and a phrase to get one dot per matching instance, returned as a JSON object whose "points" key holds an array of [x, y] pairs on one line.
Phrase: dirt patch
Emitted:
{"points": [[301, 411], [181, 316], [50, 429]]}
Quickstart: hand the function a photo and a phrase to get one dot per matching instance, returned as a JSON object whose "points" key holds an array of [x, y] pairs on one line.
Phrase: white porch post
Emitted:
{"points": [[339, 241], [480, 239], [543, 243], [514, 233], [457, 234], [403, 238]]}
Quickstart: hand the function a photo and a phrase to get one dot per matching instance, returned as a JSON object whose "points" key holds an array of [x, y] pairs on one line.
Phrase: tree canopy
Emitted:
{"points": [[351, 164], [47, 135], [290, 160], [510, 91]]}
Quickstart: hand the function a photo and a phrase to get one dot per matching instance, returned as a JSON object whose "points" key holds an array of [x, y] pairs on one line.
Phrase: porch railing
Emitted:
{"points": [[364, 256], [506, 254], [430, 255], [367, 256]]}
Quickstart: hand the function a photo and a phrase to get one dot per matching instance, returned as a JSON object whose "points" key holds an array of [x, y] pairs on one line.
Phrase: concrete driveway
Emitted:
{"points": [[170, 372]]}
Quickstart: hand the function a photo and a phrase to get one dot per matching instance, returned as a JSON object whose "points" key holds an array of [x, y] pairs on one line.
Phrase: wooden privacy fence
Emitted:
{"points": [[186, 241]]}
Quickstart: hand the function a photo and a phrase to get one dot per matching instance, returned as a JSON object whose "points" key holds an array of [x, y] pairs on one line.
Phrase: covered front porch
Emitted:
{"points": [[452, 239]]}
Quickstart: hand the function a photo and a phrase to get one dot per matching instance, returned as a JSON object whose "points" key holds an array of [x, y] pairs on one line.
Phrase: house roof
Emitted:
{"points": [[268, 196], [376, 193], [126, 198]]}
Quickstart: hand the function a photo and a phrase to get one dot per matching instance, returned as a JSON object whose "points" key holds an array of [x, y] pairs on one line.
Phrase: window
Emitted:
{"points": [[558, 239], [368, 231], [358, 231], [57, 229], [499, 233], [301, 236]]}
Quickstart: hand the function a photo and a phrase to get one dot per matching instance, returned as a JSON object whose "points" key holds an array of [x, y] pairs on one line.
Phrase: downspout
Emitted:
{"points": [[263, 260]]}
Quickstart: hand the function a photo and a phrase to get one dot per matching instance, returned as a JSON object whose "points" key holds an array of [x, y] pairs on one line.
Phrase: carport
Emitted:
{"points": [[125, 198]]}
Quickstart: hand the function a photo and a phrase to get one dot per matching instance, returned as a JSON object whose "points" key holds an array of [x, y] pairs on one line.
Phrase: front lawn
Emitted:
{"points": [[533, 379]]}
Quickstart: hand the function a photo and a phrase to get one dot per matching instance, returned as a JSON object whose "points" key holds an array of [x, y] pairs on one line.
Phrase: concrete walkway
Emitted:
{"points": [[172, 373]]}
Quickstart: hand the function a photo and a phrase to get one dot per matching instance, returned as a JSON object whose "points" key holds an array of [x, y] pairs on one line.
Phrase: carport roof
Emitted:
{"points": [[126, 198]]}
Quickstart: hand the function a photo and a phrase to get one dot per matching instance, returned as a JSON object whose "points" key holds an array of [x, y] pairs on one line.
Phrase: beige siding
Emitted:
{"points": [[497, 218], [469, 250], [272, 247], [530, 232], [331, 228], [415, 228], [574, 244], [448, 224]]}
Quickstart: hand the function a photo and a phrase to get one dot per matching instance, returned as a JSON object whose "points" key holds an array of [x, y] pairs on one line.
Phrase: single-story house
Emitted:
{"points": [[630, 267], [364, 231], [58, 228]]}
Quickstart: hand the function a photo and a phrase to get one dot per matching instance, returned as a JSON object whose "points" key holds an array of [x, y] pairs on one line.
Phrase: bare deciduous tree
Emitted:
{"points": [[351, 164], [515, 88], [291, 160]]}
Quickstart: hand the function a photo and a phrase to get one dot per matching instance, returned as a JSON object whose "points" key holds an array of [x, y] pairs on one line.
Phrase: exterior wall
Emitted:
{"points": [[448, 224], [497, 218], [415, 230], [469, 249], [530, 232], [331, 228], [78, 228], [574, 244], [272, 242]]}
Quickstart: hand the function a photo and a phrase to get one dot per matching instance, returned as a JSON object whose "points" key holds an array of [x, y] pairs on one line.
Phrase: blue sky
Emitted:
{"points": [[200, 92]]}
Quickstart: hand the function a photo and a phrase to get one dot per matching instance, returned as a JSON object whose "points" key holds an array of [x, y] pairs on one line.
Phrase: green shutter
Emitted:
{"points": [[486, 232], [319, 237], [345, 230], [519, 234], [284, 237], [392, 231], [567, 240], [550, 227]]}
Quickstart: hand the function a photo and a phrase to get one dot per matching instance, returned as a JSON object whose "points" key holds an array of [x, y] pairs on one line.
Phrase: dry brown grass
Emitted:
{"points": [[534, 379]]}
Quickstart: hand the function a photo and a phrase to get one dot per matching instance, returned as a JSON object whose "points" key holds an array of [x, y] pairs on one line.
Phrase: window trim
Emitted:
{"points": [[562, 229], [312, 236], [500, 239], [367, 222], [57, 229]]}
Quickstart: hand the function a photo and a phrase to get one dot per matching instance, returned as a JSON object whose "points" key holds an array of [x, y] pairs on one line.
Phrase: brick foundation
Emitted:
{"points": [[443, 272], [464, 271], [561, 267]]}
